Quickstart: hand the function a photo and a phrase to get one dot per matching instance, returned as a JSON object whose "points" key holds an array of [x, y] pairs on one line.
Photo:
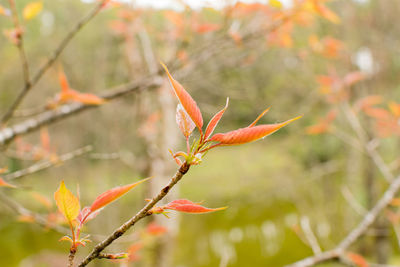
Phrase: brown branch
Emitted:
{"points": [[140, 215], [356, 233], [8, 134], [71, 257], [29, 84], [47, 163]]}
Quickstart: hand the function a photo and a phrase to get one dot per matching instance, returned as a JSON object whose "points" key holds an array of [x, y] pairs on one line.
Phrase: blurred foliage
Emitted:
{"points": [[268, 186]]}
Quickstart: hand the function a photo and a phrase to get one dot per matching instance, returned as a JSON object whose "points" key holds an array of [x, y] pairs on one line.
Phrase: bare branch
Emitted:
{"points": [[356, 233], [47, 163], [29, 84], [312, 240], [140, 215], [8, 134]]}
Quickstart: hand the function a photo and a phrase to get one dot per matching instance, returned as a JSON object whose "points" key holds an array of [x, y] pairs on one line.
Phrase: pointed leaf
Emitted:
{"points": [[186, 100], [249, 134], [187, 206], [185, 123], [5, 184], [112, 194], [259, 117], [357, 259], [214, 121], [31, 10], [67, 203]]}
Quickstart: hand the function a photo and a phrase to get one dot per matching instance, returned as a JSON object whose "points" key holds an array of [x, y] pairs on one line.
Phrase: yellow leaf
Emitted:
{"points": [[31, 10], [67, 203], [275, 3]]}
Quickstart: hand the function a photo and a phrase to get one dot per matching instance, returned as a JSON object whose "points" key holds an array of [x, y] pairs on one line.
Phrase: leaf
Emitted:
{"points": [[155, 229], [186, 100], [259, 117], [32, 9], [185, 123], [112, 194], [275, 3], [357, 259], [324, 124], [5, 184], [42, 199], [206, 27], [394, 108], [67, 203], [67, 94], [187, 206], [214, 120], [249, 134], [378, 113]]}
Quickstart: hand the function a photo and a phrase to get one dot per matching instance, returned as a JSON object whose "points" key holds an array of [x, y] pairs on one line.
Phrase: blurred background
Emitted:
{"points": [[320, 59]]}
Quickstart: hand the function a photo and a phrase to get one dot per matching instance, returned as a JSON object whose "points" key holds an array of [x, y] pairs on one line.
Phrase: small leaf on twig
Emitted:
{"points": [[187, 206], [67, 203], [112, 194], [186, 100]]}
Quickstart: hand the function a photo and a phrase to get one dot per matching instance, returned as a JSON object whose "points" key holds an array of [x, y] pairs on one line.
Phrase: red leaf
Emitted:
{"points": [[112, 194], [184, 205], [214, 121], [186, 100], [248, 134]]}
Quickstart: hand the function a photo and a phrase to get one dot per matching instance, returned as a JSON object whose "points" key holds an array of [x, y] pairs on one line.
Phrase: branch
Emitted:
{"points": [[47, 163], [140, 215], [20, 44], [29, 84], [356, 233], [8, 134]]}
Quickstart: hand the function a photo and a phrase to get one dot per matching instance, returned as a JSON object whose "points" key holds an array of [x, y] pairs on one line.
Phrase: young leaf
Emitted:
{"points": [[31, 10], [187, 206], [5, 184], [357, 259], [186, 100], [214, 121], [112, 194], [67, 94], [248, 134], [185, 123], [67, 203]]}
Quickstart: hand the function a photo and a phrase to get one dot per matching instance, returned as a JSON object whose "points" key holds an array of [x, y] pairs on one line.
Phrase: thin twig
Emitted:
{"points": [[140, 215], [20, 44], [29, 84], [356, 233], [39, 219], [47, 163], [312, 240]]}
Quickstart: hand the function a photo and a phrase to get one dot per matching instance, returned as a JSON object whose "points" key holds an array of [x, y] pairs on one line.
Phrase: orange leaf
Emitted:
{"points": [[67, 203], [42, 199], [186, 100], [394, 108], [353, 78], [184, 205], [207, 27], [378, 113], [214, 120], [357, 259], [67, 94], [368, 102], [185, 123], [155, 229], [112, 194], [248, 134], [5, 184], [323, 125]]}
